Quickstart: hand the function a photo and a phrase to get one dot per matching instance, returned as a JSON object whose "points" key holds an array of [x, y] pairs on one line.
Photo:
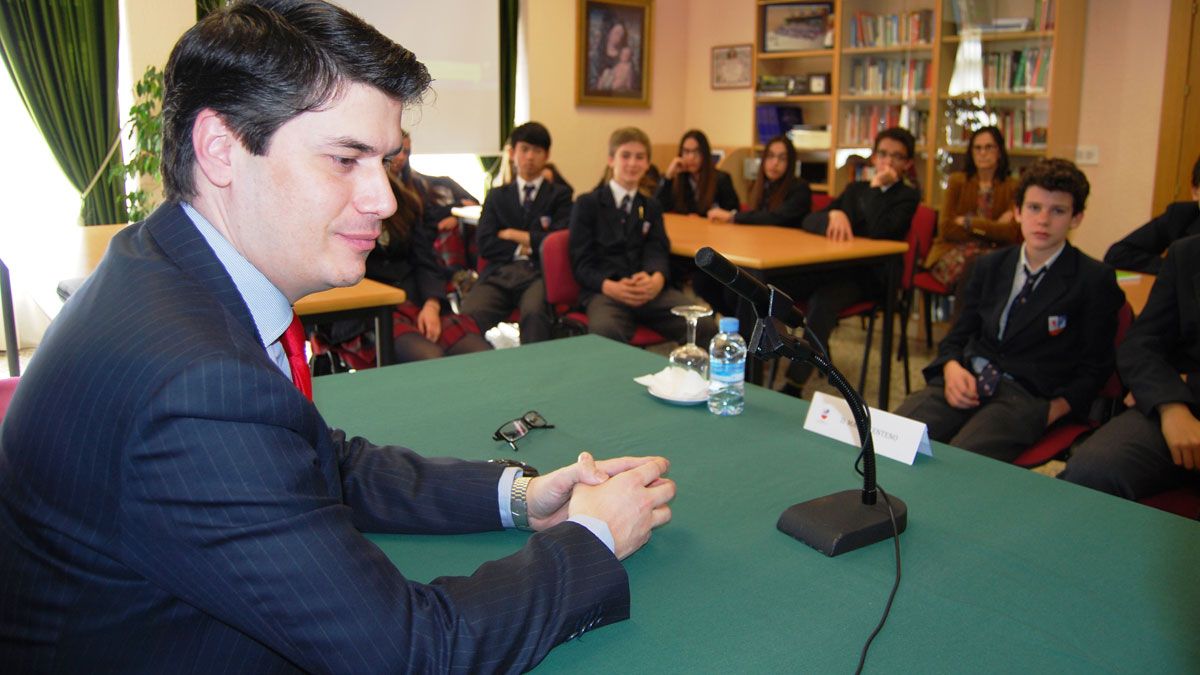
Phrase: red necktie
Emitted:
{"points": [[293, 345]]}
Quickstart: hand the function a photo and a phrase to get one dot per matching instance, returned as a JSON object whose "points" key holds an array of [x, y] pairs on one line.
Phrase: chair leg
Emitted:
{"points": [[902, 352], [927, 297], [866, 359]]}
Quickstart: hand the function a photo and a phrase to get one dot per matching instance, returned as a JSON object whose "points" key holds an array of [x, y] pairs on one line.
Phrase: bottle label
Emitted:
{"points": [[727, 373]]}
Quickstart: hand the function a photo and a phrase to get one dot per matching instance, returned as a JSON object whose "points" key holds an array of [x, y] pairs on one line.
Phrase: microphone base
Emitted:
{"points": [[840, 522]]}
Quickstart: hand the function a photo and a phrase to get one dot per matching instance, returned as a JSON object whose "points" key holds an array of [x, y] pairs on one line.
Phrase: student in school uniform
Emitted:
{"points": [[515, 219], [619, 251], [1034, 341], [1155, 445], [777, 196], [692, 182], [881, 208], [1142, 249]]}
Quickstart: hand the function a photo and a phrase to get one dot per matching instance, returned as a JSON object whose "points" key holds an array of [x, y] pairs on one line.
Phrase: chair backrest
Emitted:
{"points": [[1113, 389], [821, 201], [8, 387], [920, 239], [561, 287]]}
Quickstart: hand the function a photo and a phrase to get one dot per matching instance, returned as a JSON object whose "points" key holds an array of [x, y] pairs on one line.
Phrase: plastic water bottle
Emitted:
{"points": [[727, 370]]}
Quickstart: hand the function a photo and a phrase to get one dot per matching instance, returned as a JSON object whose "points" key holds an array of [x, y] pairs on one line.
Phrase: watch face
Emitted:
{"points": [[526, 470]]}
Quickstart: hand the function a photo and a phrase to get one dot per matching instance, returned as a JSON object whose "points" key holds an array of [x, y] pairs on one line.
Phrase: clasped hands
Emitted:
{"points": [[961, 392], [635, 290], [630, 494]]}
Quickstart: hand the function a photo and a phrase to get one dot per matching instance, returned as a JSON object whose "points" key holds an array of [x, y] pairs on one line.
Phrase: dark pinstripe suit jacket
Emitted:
{"points": [[169, 502]]}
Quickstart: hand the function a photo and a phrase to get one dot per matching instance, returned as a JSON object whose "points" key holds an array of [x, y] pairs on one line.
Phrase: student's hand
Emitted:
{"points": [[674, 168], [623, 291], [839, 227], [429, 320], [469, 202], [632, 503], [1058, 408], [960, 386], [648, 285], [1129, 400], [720, 215], [1181, 430], [548, 495], [884, 177], [515, 236], [447, 224]]}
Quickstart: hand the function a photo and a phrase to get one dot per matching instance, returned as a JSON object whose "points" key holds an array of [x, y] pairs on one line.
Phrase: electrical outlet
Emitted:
{"points": [[1087, 155]]}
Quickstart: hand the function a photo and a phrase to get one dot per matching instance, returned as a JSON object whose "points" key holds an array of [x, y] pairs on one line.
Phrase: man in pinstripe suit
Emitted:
{"points": [[170, 502]]}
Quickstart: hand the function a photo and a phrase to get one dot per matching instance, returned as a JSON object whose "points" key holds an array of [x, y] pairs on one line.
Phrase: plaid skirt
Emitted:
{"points": [[355, 342]]}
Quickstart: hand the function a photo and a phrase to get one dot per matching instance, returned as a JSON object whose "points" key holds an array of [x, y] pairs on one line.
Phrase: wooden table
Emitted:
{"points": [[769, 251], [72, 251], [1137, 287]]}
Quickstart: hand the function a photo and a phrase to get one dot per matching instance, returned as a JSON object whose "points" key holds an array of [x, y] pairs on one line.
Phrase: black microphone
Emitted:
{"points": [[750, 289]]}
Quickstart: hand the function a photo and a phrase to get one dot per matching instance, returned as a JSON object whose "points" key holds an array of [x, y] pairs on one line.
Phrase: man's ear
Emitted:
{"points": [[214, 144]]}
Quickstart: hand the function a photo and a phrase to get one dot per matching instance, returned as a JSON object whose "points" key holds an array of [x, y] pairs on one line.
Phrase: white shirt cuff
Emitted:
{"points": [[599, 528]]}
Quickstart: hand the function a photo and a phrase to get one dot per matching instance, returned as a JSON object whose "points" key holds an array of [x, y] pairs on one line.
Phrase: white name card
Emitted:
{"points": [[896, 437]]}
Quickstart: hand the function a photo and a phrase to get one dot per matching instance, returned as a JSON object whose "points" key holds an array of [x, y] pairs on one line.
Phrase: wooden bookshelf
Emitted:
{"points": [[1053, 110]]}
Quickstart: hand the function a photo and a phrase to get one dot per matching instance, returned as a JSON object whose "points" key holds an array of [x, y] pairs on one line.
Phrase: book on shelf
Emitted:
{"points": [[1018, 71], [862, 121], [889, 76], [867, 29]]}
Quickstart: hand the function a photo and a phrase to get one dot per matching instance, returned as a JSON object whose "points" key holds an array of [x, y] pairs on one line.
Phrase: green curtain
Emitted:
{"points": [[510, 13], [62, 57]]}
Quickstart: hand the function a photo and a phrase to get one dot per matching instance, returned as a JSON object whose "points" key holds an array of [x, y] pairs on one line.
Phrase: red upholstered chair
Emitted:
{"points": [[1182, 501], [821, 200], [1058, 439], [562, 291], [8, 387]]}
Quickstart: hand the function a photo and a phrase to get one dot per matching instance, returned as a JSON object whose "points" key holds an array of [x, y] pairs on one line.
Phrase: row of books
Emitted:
{"points": [[862, 122], [880, 76], [1019, 71], [887, 30], [1019, 126]]}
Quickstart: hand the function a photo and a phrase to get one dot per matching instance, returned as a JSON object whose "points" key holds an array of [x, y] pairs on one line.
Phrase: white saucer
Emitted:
{"points": [[676, 400]]}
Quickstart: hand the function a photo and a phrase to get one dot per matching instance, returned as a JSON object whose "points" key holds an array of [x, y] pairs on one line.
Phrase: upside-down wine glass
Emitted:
{"points": [[690, 355]]}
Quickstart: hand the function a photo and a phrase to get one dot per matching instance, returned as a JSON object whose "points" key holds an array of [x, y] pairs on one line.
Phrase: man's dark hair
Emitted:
{"points": [[532, 133], [1055, 175], [1196, 174], [260, 63], [899, 135]]}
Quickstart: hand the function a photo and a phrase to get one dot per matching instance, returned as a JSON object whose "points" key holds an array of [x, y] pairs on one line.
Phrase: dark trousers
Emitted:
{"points": [[1001, 427], [826, 295], [515, 285], [1127, 457], [618, 321]]}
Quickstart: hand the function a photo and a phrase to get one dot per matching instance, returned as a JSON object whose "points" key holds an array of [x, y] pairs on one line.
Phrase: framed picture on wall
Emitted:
{"points": [[613, 46], [818, 83], [797, 27], [731, 66]]}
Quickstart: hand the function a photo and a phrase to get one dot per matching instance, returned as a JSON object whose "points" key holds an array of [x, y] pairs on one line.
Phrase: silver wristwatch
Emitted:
{"points": [[517, 504]]}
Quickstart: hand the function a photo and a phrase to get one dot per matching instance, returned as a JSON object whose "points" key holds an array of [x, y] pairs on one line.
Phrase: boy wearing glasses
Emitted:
{"points": [[619, 251], [1034, 340], [515, 219], [879, 208]]}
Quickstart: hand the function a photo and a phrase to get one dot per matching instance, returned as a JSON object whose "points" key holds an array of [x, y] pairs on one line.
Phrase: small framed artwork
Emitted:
{"points": [[614, 40], [818, 83], [796, 27], [731, 66]]}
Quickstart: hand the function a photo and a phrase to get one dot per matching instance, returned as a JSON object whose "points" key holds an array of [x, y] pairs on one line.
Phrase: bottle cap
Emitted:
{"points": [[729, 324]]}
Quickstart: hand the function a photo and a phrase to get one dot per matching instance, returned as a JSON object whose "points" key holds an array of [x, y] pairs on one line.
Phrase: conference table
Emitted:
{"points": [[1004, 570], [771, 252], [72, 252]]}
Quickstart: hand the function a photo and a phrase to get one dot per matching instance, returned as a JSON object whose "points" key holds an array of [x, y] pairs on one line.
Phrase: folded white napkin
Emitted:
{"points": [[676, 382]]}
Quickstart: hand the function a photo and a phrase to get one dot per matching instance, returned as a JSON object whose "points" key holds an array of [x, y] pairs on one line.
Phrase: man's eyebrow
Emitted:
{"points": [[353, 144]]}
